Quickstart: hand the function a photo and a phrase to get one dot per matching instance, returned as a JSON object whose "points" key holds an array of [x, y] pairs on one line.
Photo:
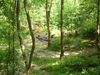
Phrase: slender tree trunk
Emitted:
{"points": [[32, 37], [13, 50], [19, 31], [11, 44], [98, 26], [48, 11], [13, 25], [8, 53], [61, 27]]}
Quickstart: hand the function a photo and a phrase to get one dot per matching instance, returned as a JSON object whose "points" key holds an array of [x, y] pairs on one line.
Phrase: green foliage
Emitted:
{"points": [[9, 60], [72, 40], [38, 2], [75, 66], [2, 59], [79, 15], [89, 32], [40, 60], [55, 44], [89, 29]]}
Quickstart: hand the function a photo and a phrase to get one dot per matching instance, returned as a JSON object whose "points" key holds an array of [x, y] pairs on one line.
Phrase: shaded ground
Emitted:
{"points": [[43, 58], [41, 51], [54, 54]]}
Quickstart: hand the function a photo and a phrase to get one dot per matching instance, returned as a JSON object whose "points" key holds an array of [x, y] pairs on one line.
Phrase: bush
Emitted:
{"points": [[55, 44], [89, 32], [75, 65]]}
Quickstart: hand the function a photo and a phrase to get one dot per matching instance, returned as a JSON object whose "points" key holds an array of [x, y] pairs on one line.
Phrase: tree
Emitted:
{"points": [[98, 27], [9, 7], [19, 31], [48, 11], [61, 28], [32, 37]]}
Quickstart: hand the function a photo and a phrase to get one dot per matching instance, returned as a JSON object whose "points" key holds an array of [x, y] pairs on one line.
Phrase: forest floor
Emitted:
{"points": [[43, 57], [41, 50]]}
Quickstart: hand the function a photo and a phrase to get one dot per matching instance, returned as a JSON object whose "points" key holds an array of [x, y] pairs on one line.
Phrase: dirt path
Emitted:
{"points": [[52, 54], [41, 51]]}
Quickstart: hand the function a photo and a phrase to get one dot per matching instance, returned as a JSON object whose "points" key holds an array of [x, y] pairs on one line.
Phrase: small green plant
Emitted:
{"points": [[75, 65], [55, 44], [88, 31]]}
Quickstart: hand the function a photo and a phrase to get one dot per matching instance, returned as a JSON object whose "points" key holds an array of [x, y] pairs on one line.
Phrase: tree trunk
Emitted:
{"points": [[13, 50], [19, 31], [48, 11], [9, 49], [11, 41], [98, 31], [13, 25], [26, 72], [32, 37], [61, 28], [48, 27]]}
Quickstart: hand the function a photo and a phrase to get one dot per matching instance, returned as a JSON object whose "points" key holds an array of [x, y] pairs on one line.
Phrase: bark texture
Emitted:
{"points": [[61, 28]]}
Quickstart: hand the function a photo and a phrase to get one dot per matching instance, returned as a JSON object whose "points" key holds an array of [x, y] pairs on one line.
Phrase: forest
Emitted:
{"points": [[49, 37]]}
